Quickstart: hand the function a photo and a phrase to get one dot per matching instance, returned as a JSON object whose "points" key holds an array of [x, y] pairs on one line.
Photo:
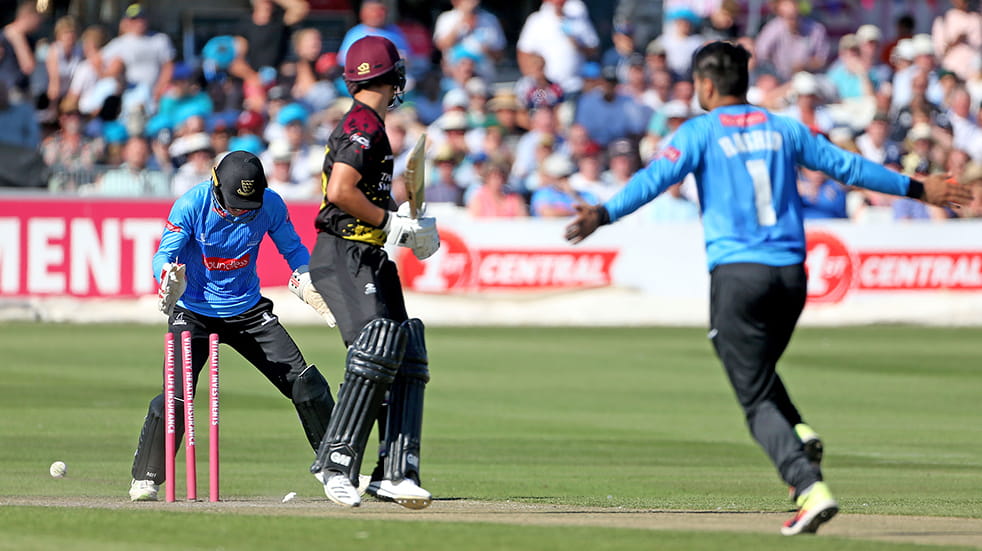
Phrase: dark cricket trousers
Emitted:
{"points": [[753, 312], [256, 334], [358, 283]]}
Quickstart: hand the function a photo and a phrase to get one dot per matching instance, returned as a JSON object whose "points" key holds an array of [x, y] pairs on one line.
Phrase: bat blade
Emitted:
{"points": [[415, 177]]}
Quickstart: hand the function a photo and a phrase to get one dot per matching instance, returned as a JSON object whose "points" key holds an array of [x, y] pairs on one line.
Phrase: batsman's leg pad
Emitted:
{"points": [[404, 422], [373, 360], [312, 397], [148, 461]]}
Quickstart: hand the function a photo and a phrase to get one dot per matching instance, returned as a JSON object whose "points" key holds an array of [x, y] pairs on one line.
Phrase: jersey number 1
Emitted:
{"points": [[761, 177]]}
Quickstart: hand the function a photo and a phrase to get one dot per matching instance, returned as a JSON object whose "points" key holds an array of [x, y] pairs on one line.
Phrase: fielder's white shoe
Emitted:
{"points": [[143, 490], [406, 493], [339, 489]]}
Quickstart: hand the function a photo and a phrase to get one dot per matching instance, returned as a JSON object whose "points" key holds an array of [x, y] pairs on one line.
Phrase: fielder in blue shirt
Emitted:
{"points": [[206, 263], [744, 161]]}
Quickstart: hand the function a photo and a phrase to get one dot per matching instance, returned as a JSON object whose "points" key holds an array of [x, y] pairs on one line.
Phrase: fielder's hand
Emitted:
{"points": [[588, 219], [419, 234], [172, 286], [301, 286], [943, 190]]}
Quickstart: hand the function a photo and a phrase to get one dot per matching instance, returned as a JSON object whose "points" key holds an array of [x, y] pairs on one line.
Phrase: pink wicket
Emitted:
{"points": [[187, 371], [213, 425], [170, 446], [170, 417]]}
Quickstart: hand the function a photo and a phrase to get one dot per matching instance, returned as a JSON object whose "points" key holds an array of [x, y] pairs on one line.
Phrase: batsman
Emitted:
{"points": [[360, 284]]}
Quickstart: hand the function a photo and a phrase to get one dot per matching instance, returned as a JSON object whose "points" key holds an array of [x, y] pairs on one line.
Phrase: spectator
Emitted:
{"points": [[68, 149], [132, 178], [561, 32], [957, 36], [474, 29], [808, 107], [492, 198], [459, 67], [541, 139], [88, 73], [442, 186], [17, 60], [373, 20], [199, 157], [183, 98], [589, 176], [281, 177], [664, 122], [608, 115], [875, 143], [659, 89], [292, 119], [680, 40], [869, 38], [920, 140], [849, 74], [556, 198], [644, 17], [904, 30], [64, 56], [307, 46], [144, 59], [18, 125], [967, 134], [504, 107], [721, 24], [904, 88], [919, 103], [622, 161], [821, 196], [622, 50], [535, 89], [261, 42], [791, 42]]}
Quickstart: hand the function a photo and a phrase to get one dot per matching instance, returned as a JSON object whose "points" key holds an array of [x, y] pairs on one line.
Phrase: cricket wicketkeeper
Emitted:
{"points": [[351, 270], [206, 263]]}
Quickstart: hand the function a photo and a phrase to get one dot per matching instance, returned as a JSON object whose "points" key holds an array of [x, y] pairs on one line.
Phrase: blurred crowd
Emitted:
{"points": [[115, 112]]}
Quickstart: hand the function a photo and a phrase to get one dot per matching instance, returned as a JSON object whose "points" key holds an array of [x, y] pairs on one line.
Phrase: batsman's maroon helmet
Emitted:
{"points": [[371, 57]]}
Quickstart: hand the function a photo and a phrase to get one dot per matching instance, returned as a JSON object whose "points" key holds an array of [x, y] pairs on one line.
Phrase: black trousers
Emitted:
{"points": [[753, 312], [255, 334], [358, 283]]}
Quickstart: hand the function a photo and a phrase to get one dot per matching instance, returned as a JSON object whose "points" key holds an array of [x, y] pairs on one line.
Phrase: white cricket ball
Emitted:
{"points": [[58, 469]]}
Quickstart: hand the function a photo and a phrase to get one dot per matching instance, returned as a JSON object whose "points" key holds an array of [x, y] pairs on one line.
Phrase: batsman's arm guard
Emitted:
{"points": [[373, 361], [404, 422]]}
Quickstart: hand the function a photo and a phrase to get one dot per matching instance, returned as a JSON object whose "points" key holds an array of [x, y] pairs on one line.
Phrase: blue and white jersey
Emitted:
{"points": [[744, 159], [220, 250]]}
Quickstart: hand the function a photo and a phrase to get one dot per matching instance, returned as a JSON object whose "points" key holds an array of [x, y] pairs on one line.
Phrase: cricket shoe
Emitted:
{"points": [[363, 481], [339, 489], [816, 507], [811, 444], [143, 490], [406, 493]]}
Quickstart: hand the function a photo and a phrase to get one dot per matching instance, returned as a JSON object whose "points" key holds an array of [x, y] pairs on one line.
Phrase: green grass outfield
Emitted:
{"points": [[635, 418]]}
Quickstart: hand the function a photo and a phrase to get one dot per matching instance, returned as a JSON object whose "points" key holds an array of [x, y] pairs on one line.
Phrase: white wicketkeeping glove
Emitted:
{"points": [[172, 286], [301, 286], [418, 234]]}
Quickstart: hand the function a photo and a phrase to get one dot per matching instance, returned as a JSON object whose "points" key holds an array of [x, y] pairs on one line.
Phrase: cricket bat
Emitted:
{"points": [[416, 176]]}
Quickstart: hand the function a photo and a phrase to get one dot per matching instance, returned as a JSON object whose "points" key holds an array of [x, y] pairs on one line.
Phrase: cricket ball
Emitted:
{"points": [[58, 469]]}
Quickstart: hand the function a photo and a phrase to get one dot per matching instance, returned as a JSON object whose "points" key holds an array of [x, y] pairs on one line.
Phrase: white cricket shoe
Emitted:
{"points": [[406, 493], [339, 489], [143, 490]]}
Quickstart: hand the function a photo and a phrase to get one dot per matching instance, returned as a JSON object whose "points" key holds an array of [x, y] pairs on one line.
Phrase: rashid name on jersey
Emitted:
{"points": [[745, 163], [220, 250], [359, 141]]}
